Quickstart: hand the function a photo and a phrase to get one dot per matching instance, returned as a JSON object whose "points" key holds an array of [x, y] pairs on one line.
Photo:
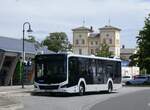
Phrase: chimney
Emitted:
{"points": [[91, 28], [123, 46]]}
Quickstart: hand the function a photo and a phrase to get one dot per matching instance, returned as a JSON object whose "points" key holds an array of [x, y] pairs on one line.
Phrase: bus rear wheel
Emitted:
{"points": [[110, 87], [81, 89]]}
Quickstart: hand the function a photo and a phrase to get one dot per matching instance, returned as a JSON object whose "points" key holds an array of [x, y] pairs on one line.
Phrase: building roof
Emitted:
{"points": [[16, 45], [81, 28], [94, 35], [44, 50], [109, 27], [1, 50], [127, 50]]}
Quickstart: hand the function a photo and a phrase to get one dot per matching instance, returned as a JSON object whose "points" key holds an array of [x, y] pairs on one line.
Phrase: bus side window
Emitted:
{"points": [[81, 67], [72, 66], [73, 70], [117, 75], [109, 71], [99, 73], [92, 71]]}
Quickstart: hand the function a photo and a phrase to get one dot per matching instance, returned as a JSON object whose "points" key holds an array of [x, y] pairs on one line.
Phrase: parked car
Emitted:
{"points": [[138, 80], [126, 78]]}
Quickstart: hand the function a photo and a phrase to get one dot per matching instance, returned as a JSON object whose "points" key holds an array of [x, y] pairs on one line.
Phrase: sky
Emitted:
{"points": [[46, 16]]}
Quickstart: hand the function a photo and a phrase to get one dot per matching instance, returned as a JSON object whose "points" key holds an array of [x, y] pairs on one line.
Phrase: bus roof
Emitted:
{"points": [[83, 56], [93, 56]]}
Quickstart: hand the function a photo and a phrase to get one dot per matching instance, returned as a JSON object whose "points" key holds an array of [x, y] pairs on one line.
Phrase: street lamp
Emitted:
{"points": [[23, 53]]}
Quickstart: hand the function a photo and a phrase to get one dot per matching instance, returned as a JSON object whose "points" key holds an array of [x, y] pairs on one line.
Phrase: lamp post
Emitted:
{"points": [[23, 52]]}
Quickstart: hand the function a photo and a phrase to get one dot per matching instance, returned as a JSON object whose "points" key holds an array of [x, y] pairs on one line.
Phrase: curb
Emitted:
{"points": [[16, 93]]}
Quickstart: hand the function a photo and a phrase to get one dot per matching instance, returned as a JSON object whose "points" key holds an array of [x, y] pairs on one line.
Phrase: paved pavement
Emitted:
{"points": [[15, 97], [8, 94], [86, 102], [7, 103], [15, 89]]}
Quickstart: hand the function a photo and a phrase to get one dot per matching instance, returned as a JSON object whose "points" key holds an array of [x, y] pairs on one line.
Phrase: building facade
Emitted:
{"points": [[87, 42], [125, 53], [130, 71], [127, 70]]}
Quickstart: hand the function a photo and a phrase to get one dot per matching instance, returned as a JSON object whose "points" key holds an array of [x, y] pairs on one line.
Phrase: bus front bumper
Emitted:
{"points": [[73, 89]]}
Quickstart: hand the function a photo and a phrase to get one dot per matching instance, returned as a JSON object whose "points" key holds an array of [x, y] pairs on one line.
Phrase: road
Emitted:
{"points": [[135, 101], [127, 98]]}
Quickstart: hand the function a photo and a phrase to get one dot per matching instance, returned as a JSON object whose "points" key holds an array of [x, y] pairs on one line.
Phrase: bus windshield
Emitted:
{"points": [[50, 69]]}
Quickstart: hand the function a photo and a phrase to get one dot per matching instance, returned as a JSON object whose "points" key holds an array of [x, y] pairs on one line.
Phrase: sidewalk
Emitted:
{"points": [[8, 96], [9, 104]]}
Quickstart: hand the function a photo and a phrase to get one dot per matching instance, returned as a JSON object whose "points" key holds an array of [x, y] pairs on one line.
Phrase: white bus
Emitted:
{"points": [[76, 73]]}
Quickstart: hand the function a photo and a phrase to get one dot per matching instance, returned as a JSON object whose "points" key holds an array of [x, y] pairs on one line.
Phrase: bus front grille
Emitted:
{"points": [[49, 87]]}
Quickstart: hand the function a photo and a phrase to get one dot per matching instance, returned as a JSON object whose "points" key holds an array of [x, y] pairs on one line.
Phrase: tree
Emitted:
{"points": [[70, 47], [104, 51], [31, 39], [133, 60], [17, 75], [142, 57], [57, 41]]}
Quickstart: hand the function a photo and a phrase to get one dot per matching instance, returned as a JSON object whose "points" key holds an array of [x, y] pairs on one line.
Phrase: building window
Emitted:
{"points": [[117, 41], [96, 42], [80, 51], [83, 41], [92, 51], [104, 40], [91, 42], [107, 35], [80, 36], [96, 50], [77, 42], [110, 41]]}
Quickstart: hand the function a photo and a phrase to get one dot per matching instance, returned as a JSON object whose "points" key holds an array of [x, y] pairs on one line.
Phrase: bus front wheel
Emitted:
{"points": [[81, 89]]}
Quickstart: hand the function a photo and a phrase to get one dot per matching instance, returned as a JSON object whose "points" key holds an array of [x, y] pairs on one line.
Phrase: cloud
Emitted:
{"points": [[63, 15]]}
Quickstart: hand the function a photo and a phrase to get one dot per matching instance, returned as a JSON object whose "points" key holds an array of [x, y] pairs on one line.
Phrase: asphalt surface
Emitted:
{"points": [[134, 101], [129, 98]]}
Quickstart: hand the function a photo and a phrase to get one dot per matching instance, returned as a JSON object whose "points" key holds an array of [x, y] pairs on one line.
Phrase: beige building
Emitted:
{"points": [[87, 42], [127, 70], [125, 53]]}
